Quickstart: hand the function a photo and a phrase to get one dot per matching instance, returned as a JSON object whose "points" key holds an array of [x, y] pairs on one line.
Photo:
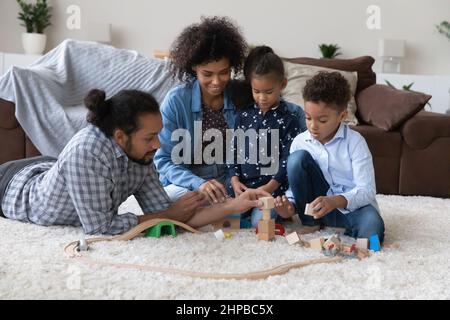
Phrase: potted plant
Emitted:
{"points": [[444, 28], [35, 17], [329, 51]]}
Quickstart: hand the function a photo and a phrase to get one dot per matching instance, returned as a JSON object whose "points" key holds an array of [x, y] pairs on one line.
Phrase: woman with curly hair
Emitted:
{"points": [[203, 57]]}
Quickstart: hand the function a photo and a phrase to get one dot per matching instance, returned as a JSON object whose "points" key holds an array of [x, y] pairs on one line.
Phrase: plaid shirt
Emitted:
{"points": [[85, 187]]}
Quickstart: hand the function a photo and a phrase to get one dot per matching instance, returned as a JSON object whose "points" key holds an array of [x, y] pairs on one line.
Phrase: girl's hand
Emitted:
{"points": [[238, 187], [284, 207], [271, 186]]}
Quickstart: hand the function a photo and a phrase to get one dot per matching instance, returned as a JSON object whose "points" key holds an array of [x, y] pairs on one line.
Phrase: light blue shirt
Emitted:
{"points": [[346, 163]]}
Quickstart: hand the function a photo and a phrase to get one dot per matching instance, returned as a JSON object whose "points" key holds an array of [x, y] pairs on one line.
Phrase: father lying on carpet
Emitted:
{"points": [[100, 168]]}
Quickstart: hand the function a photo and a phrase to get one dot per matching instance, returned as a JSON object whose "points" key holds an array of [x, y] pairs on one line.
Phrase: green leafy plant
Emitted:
{"points": [[35, 17], [406, 87], [444, 28], [329, 51]]}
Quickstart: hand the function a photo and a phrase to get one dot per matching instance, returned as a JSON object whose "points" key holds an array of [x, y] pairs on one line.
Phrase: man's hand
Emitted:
{"points": [[214, 191], [325, 204], [238, 187], [184, 208], [284, 207], [248, 200]]}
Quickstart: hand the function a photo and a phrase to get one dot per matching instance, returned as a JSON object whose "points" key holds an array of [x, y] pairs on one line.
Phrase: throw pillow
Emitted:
{"points": [[362, 65], [298, 74], [388, 108]]}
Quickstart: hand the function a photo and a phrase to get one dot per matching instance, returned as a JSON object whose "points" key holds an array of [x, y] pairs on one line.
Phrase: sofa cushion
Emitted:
{"points": [[299, 74], [388, 108], [431, 126], [362, 65]]}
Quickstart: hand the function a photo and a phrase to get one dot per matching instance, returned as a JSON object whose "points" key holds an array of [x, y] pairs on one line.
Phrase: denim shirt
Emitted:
{"points": [[181, 108]]}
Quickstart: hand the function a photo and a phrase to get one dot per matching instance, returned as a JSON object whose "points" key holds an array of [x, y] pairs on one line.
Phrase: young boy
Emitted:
{"points": [[330, 166]]}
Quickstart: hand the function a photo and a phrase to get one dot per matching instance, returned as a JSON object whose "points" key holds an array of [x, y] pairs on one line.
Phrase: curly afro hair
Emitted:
{"points": [[211, 40], [329, 87]]}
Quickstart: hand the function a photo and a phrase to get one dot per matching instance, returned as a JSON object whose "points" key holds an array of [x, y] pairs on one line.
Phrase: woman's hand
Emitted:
{"points": [[284, 207], [238, 187], [214, 191], [248, 200]]}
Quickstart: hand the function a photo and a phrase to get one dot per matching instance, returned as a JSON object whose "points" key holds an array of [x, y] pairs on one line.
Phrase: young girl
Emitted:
{"points": [[265, 72]]}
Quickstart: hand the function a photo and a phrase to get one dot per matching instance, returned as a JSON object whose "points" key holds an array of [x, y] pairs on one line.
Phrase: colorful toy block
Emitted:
{"points": [[375, 243], [163, 228]]}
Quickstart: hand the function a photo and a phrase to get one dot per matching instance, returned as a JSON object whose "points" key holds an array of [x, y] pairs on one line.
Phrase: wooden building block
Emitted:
{"points": [[266, 236], [316, 243], [308, 210], [292, 238], [266, 226], [268, 202], [363, 253], [362, 243]]}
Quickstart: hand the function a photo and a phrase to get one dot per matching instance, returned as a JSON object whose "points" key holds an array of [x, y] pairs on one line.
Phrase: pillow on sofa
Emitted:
{"points": [[298, 74], [362, 65], [388, 108]]}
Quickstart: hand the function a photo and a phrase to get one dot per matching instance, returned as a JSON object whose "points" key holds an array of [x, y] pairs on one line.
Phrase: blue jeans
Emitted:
{"points": [[308, 183]]}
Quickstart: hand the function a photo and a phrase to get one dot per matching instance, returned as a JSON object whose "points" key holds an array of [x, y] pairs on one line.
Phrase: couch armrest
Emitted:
{"points": [[424, 128], [7, 115]]}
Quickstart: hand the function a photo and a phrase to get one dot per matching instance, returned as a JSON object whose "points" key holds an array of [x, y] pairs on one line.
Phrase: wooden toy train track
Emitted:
{"points": [[72, 251]]}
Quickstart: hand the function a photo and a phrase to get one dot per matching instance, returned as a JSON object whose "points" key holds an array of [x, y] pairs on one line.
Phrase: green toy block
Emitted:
{"points": [[163, 228]]}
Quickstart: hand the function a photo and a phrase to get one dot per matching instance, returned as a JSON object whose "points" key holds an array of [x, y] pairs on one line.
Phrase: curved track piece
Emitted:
{"points": [[71, 251]]}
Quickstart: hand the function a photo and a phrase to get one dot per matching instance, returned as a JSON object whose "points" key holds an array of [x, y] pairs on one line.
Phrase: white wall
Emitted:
{"points": [[292, 27]]}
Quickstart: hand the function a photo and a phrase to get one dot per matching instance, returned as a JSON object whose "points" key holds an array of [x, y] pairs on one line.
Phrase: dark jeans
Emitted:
{"points": [[308, 183], [9, 169]]}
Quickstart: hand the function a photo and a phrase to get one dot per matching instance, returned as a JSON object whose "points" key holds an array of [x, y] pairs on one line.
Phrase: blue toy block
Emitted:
{"points": [[374, 243]]}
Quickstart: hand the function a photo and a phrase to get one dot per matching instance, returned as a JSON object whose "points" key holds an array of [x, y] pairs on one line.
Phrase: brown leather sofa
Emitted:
{"points": [[412, 160]]}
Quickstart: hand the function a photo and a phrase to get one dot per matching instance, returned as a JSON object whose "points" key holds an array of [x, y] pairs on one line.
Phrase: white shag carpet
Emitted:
{"points": [[33, 264]]}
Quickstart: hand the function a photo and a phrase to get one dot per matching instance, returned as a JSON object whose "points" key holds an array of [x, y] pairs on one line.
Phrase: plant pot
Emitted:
{"points": [[34, 43]]}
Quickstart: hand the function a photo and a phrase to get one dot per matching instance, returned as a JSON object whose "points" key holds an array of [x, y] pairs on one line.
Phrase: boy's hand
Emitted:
{"points": [[238, 187], [324, 205], [284, 207]]}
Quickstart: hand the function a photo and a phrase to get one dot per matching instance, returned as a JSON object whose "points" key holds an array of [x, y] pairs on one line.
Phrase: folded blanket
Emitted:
{"points": [[49, 94]]}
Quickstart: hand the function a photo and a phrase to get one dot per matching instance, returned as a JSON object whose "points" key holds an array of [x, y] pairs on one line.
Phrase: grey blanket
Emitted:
{"points": [[49, 94]]}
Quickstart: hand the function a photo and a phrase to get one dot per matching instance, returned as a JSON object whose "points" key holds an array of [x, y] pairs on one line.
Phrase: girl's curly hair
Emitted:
{"points": [[211, 40]]}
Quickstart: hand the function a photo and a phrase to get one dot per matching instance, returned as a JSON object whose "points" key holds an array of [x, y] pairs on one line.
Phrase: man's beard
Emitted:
{"points": [[142, 161]]}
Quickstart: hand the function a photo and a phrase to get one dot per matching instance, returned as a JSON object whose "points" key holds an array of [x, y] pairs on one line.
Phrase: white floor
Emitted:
{"points": [[33, 265]]}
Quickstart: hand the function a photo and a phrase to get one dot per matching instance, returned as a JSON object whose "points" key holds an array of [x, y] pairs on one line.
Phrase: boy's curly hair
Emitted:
{"points": [[329, 87], [211, 40]]}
